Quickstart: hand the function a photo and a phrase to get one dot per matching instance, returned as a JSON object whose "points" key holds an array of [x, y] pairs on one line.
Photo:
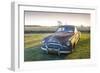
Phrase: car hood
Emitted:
{"points": [[62, 37]]}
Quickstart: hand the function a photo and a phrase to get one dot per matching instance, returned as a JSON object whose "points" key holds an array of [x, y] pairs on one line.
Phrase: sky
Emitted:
{"points": [[54, 18]]}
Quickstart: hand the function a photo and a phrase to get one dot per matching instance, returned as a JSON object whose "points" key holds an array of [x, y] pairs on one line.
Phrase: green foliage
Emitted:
{"points": [[33, 52]]}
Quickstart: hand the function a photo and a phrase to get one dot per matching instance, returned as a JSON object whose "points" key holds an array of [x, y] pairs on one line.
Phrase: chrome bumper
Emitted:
{"points": [[45, 49]]}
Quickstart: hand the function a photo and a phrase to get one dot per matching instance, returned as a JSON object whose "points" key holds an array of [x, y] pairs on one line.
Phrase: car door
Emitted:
{"points": [[77, 36]]}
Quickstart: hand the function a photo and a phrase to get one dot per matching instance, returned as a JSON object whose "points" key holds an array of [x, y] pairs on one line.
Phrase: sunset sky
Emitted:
{"points": [[51, 18]]}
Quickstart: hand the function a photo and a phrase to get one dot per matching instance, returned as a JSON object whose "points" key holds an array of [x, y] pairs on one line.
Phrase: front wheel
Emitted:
{"points": [[58, 52]]}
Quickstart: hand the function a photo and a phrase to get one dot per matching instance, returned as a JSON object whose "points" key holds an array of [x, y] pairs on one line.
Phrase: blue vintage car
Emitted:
{"points": [[63, 40]]}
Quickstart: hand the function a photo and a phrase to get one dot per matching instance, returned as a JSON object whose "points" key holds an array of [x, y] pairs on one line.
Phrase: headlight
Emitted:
{"points": [[68, 43]]}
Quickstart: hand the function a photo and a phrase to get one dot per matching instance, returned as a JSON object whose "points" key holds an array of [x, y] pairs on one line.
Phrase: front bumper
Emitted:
{"points": [[45, 49], [58, 48]]}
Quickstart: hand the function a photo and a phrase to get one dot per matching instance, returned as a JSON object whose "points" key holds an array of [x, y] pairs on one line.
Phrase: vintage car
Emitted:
{"points": [[63, 40]]}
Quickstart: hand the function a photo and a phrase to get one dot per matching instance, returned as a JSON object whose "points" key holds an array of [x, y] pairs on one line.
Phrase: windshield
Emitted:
{"points": [[65, 29]]}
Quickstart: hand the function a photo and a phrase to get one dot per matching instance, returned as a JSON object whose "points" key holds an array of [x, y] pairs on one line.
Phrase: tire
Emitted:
{"points": [[73, 47]]}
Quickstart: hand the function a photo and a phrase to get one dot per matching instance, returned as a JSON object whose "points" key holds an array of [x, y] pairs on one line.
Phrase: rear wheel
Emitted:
{"points": [[73, 47]]}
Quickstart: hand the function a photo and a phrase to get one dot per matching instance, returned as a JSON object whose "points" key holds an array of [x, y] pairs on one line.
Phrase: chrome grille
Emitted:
{"points": [[54, 46]]}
